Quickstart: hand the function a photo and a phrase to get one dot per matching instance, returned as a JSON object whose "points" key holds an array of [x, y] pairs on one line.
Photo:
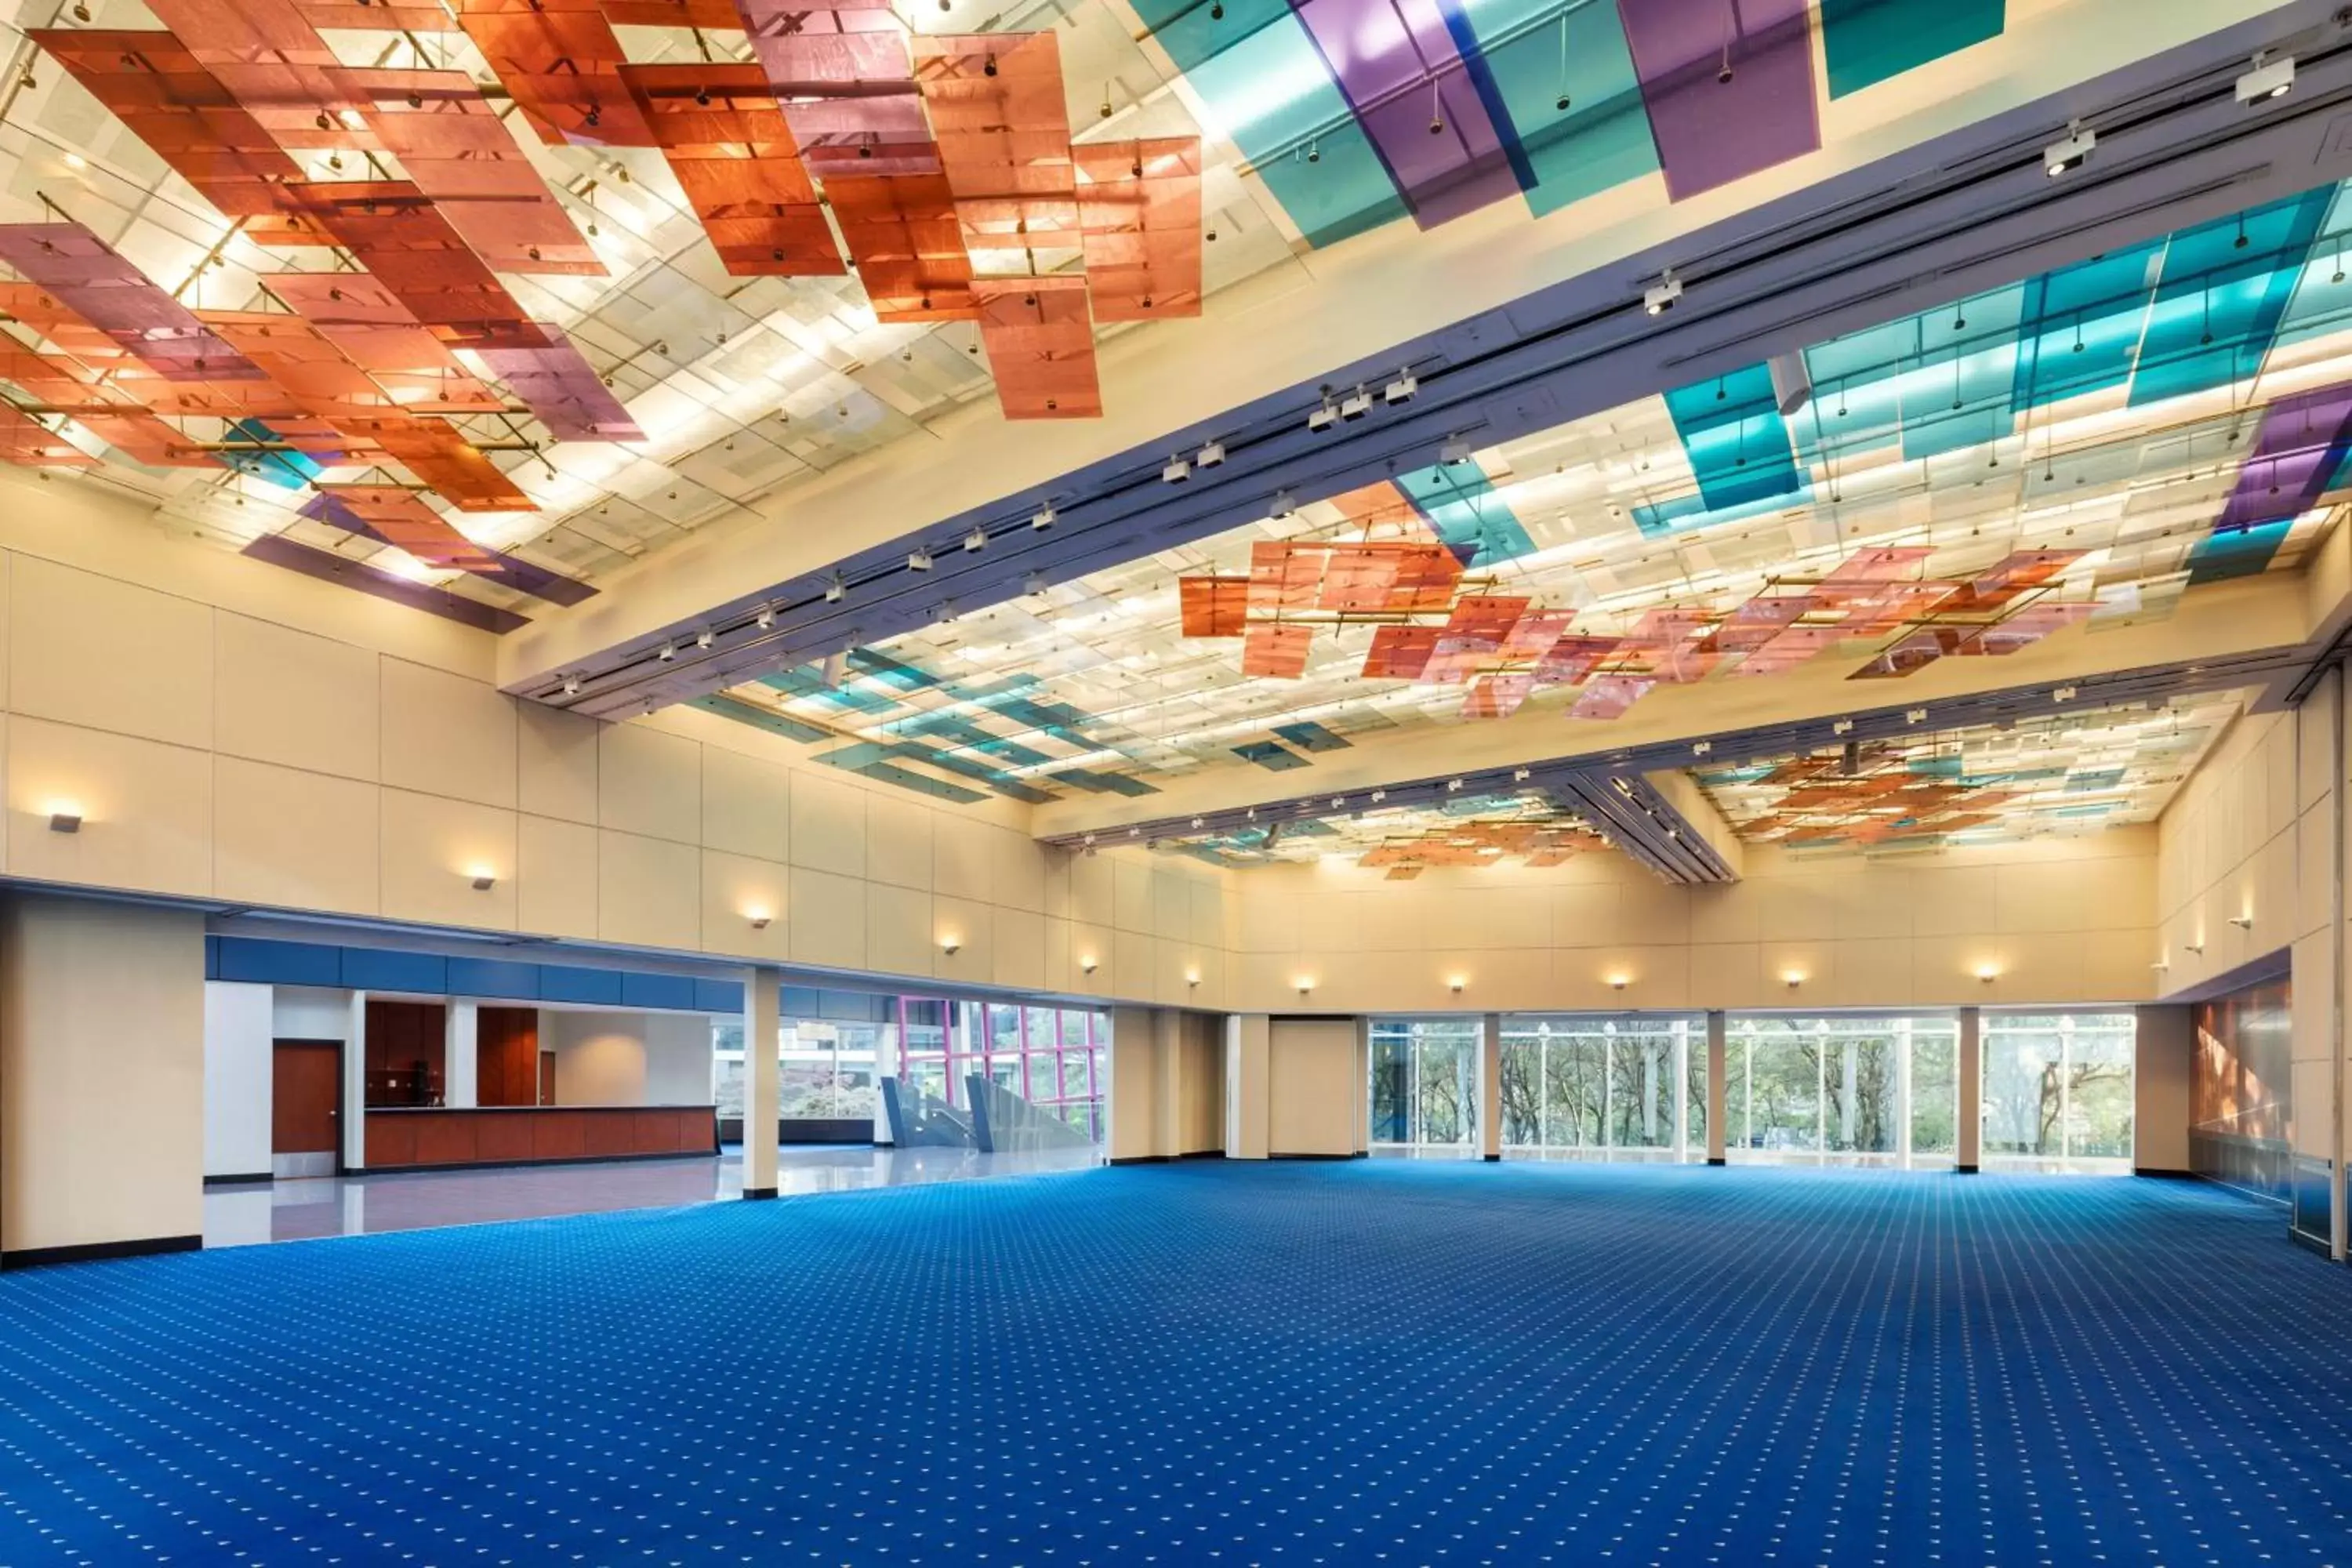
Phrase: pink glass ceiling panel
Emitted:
{"points": [[90, 280], [395, 515], [1728, 85], [1397, 65], [847, 84], [269, 56], [560, 388]]}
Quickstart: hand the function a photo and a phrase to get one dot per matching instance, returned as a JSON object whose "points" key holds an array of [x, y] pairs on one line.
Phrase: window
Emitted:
{"points": [[1051, 1057], [1842, 1090], [1631, 1087], [1425, 1082], [2058, 1091]]}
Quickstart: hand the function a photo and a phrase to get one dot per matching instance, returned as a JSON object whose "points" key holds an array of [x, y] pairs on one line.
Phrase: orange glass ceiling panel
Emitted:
{"points": [[455, 149], [847, 84], [374, 16], [178, 108], [998, 111], [272, 59], [1213, 606], [1357, 577], [1401, 653], [1277, 652], [901, 232], [447, 463], [400, 517], [1040, 343], [1284, 575], [25, 441], [107, 412], [299, 357], [561, 60], [376, 332], [1139, 206], [1497, 696], [402, 237], [710, 16], [724, 134]]}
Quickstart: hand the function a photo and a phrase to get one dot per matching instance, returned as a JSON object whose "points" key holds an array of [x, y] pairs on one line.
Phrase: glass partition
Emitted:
{"points": [[1631, 1087], [2058, 1091], [1425, 1082], [1843, 1089]]}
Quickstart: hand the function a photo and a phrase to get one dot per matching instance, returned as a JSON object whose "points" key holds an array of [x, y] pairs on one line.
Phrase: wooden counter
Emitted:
{"points": [[404, 1138]]}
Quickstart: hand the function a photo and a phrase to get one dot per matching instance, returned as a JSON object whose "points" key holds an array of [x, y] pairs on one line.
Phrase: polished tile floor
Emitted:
{"points": [[305, 1208]]}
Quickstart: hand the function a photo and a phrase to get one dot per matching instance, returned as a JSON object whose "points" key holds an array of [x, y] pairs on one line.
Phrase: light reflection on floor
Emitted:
{"points": [[310, 1207]]}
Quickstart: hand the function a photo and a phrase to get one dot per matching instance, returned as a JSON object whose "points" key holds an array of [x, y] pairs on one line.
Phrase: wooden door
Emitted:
{"points": [[506, 1062], [306, 1093], [547, 1078]]}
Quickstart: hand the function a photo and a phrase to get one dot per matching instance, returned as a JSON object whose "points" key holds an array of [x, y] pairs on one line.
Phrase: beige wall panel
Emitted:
{"points": [[431, 850], [2038, 897], [557, 889], [648, 891], [1390, 917], [1091, 944], [898, 935], [898, 842], [1813, 965], [1944, 968], [828, 824], [2315, 748], [649, 784], [1171, 903], [962, 853], [2310, 1083], [1875, 971], [102, 1050], [1649, 911], [1020, 949], [2278, 776], [1722, 914], [734, 889], [289, 698], [1584, 978], [1331, 917], [1954, 899], [747, 805], [1060, 975], [448, 736], [147, 809], [90, 650], [1875, 901], [1520, 980], [1582, 913], [1092, 880], [972, 926], [1055, 862], [1726, 974], [828, 913], [557, 763], [1019, 873], [1207, 926], [2119, 965], [1262, 980], [1312, 1089], [295, 840], [1131, 894], [1797, 906], [1507, 916], [1132, 960], [2315, 888]]}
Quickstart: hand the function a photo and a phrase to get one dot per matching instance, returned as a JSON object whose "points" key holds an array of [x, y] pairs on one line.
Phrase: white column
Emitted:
{"points": [[1717, 1088], [1363, 1110], [763, 1026], [1490, 1086], [460, 1080], [354, 1108], [1971, 1130], [1247, 1037]]}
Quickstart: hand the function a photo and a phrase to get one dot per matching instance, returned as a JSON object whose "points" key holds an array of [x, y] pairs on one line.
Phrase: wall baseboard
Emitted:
{"points": [[1492, 1159], [1714, 1160], [529, 1165], [1358, 1155], [1141, 1160], [261, 1178], [754, 1193], [1964, 1170], [2165, 1174], [1202, 1154], [93, 1251]]}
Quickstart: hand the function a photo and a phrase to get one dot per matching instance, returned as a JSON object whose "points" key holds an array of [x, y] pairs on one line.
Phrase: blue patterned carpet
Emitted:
{"points": [[1377, 1362]]}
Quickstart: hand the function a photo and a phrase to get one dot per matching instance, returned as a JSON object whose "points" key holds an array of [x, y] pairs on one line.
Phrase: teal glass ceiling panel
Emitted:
{"points": [[1266, 88], [2225, 288], [1534, 56], [1866, 41], [1735, 437], [2242, 552], [2081, 325], [1464, 511]]}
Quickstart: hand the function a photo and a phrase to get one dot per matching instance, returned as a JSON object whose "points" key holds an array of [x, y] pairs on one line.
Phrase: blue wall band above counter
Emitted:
{"points": [[258, 961]]}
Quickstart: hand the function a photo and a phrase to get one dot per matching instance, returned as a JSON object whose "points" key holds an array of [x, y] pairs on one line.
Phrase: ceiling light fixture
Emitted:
{"points": [[918, 560], [1454, 452], [1402, 389], [1322, 416], [2269, 80], [1034, 584], [766, 619], [1843, 727], [2064, 157], [1042, 518], [1177, 471], [667, 652], [976, 540], [834, 589], [571, 686], [702, 638], [1211, 455], [1356, 405], [1662, 296]]}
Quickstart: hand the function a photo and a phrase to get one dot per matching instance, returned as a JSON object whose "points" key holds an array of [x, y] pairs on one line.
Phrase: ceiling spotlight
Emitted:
{"points": [[1701, 748], [1843, 727], [834, 589], [2064, 157], [702, 638], [1454, 452], [1402, 389], [1034, 584], [1356, 405], [976, 540], [1379, 796], [1322, 417], [1915, 716], [1519, 776], [918, 560], [1660, 297], [2062, 694], [1177, 471], [766, 618], [2267, 80], [1211, 455], [667, 651], [1042, 518], [571, 686], [1285, 503], [1452, 785]]}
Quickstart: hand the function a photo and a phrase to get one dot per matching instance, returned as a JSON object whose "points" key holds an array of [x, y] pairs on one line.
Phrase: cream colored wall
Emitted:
{"points": [[628, 1058], [2055, 921], [101, 1073], [1315, 1086]]}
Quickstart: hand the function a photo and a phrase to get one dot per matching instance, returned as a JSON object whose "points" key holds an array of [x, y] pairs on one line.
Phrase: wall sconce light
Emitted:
{"points": [[759, 918], [1793, 977], [1192, 977], [1619, 981], [1987, 974], [65, 819], [1305, 985], [951, 945], [483, 879], [1087, 964], [2243, 923], [2196, 947], [1456, 984]]}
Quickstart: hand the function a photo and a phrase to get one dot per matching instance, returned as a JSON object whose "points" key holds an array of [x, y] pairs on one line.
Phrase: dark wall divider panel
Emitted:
{"points": [[261, 962]]}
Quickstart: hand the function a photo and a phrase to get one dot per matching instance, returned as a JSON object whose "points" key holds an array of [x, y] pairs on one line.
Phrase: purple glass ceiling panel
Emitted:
{"points": [[329, 567], [73, 264], [568, 395], [2303, 442], [1397, 64], [495, 565], [1729, 84]]}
